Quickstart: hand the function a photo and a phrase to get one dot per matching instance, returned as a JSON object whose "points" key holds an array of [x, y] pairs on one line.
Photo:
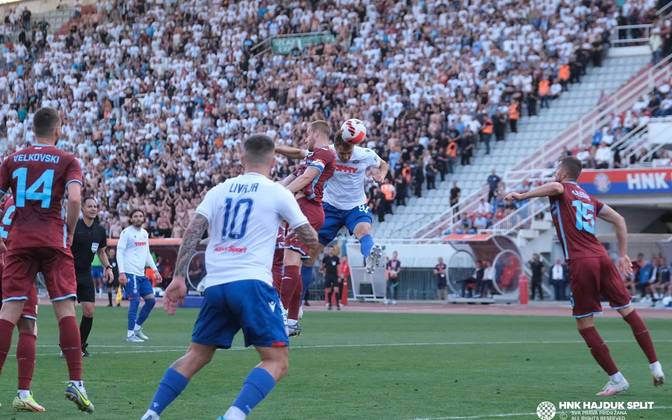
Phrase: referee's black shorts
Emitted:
{"points": [[86, 289], [330, 282]]}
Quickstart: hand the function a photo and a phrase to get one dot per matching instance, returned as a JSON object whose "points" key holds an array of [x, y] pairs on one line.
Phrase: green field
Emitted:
{"points": [[356, 366]]}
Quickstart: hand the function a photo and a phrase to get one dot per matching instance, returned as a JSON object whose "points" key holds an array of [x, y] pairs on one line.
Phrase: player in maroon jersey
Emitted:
{"points": [[39, 241], [307, 185], [592, 273], [25, 347]]}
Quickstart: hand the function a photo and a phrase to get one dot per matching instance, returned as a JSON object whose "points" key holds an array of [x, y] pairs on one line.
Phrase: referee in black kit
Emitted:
{"points": [[90, 239]]}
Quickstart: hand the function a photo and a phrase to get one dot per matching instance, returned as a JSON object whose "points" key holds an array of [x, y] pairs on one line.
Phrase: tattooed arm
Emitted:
{"points": [[308, 236], [192, 237]]}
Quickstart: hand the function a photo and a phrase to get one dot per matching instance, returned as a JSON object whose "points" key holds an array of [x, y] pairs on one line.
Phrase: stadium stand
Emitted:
{"points": [[183, 108]]}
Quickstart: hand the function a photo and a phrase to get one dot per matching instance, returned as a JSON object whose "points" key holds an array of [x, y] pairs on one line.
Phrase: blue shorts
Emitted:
{"points": [[335, 219], [138, 286], [250, 305], [97, 272]]}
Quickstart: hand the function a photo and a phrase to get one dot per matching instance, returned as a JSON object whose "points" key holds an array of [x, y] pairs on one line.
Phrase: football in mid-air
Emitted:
{"points": [[353, 131]]}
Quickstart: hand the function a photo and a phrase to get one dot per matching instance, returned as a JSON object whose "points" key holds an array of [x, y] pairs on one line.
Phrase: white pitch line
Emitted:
{"points": [[167, 349], [488, 416]]}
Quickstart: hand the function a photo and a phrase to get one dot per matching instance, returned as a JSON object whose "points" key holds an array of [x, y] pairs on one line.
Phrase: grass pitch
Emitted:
{"points": [[356, 366]]}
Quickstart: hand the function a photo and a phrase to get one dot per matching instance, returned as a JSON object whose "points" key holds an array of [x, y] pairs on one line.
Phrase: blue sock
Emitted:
{"points": [[306, 277], [256, 387], [171, 385], [132, 312], [146, 309], [365, 245]]}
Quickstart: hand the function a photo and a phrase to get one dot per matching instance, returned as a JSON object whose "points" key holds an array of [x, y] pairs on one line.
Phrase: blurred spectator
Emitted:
{"points": [[392, 269], [389, 194], [488, 284], [430, 173], [604, 157], [559, 280], [401, 190], [441, 280], [493, 182], [455, 196], [537, 268]]}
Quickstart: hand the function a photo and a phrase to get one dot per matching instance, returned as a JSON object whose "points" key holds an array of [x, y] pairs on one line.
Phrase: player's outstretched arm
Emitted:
{"points": [[177, 288], [547, 190], [291, 152], [304, 179], [620, 227]]}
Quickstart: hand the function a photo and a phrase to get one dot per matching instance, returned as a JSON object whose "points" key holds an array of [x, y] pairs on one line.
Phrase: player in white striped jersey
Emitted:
{"points": [[133, 257], [345, 203]]}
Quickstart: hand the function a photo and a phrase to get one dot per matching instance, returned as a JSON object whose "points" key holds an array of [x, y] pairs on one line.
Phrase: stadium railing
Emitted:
{"points": [[576, 135]]}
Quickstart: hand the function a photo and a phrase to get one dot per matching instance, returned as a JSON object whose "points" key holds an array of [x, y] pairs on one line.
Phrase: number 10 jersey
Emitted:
{"points": [[244, 214]]}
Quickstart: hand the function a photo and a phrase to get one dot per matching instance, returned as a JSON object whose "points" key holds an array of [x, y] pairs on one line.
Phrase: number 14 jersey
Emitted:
{"points": [[574, 216], [38, 177]]}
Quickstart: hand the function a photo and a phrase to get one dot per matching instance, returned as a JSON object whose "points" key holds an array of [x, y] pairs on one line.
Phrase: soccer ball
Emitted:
{"points": [[353, 131]]}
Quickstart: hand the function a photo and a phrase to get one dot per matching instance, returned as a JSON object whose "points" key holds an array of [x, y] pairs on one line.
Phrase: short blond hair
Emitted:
{"points": [[321, 126]]}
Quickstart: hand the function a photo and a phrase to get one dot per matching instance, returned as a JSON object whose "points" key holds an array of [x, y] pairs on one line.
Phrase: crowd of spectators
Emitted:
{"points": [[156, 95]]}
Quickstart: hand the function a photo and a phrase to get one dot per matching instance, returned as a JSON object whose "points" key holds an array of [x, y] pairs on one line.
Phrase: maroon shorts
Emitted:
{"points": [[30, 306], [22, 265], [315, 214], [591, 279]]}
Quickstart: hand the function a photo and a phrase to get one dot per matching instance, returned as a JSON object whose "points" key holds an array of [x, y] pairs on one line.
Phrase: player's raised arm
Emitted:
{"points": [[291, 152], [547, 190], [304, 179], [177, 288], [382, 171], [610, 215]]}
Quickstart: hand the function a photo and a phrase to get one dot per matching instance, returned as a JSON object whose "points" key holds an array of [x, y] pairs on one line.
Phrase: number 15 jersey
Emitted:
{"points": [[244, 214], [574, 216], [38, 177]]}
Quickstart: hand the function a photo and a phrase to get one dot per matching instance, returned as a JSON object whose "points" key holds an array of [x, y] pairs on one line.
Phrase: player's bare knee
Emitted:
{"points": [[586, 322], [64, 308], [88, 309], [626, 311], [362, 229], [26, 326], [11, 311]]}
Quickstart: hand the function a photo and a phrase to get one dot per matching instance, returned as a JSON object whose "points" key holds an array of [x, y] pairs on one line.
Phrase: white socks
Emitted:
{"points": [[617, 377], [234, 413], [137, 327], [24, 393], [655, 366], [292, 322], [130, 333]]}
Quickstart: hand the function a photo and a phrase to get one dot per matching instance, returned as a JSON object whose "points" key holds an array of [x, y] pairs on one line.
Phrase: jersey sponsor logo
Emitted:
{"points": [[37, 157], [231, 249], [140, 243], [580, 194], [348, 169]]}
